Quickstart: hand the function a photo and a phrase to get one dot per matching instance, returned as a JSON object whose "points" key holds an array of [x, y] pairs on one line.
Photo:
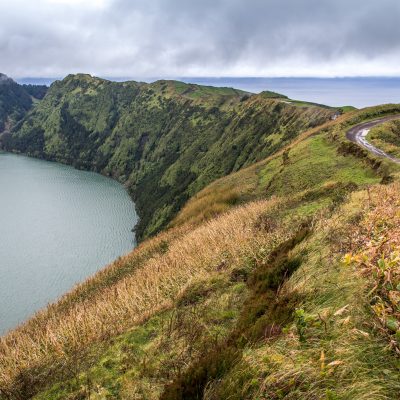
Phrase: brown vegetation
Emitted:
{"points": [[51, 340], [376, 253]]}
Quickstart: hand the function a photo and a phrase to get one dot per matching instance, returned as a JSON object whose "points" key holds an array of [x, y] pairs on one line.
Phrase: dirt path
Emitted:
{"points": [[358, 134]]}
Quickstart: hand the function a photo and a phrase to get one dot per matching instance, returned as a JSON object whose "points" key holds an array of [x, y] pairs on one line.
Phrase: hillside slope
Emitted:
{"points": [[165, 140], [291, 292], [15, 102], [387, 137], [316, 164]]}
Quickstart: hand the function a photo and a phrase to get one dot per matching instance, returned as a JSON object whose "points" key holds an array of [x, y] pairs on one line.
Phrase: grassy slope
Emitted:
{"points": [[386, 137], [165, 140], [254, 303], [316, 163]]}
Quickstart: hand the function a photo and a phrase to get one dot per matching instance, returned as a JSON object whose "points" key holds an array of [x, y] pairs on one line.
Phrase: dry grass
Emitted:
{"points": [[376, 253], [342, 354], [55, 336], [207, 205]]}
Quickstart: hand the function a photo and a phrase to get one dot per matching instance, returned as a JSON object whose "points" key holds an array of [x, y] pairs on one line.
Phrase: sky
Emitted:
{"points": [[177, 38]]}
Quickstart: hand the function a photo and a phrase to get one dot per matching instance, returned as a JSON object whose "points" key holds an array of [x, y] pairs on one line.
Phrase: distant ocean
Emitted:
{"points": [[358, 92]]}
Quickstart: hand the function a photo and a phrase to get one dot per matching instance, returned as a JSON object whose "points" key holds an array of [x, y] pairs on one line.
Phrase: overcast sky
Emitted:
{"points": [[167, 38]]}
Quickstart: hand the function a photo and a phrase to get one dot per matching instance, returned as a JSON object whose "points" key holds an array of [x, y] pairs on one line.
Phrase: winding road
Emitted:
{"points": [[358, 134]]}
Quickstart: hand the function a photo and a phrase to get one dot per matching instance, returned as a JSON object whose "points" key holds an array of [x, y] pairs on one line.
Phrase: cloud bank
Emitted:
{"points": [[153, 38]]}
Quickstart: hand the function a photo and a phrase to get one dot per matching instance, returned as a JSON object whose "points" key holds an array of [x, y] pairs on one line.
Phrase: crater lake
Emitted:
{"points": [[58, 226]]}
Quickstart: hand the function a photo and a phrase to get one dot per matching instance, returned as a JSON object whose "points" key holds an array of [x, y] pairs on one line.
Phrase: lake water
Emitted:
{"points": [[58, 226]]}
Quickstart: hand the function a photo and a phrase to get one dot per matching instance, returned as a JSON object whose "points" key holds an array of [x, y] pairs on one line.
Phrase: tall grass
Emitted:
{"points": [[376, 253], [54, 338], [333, 349]]}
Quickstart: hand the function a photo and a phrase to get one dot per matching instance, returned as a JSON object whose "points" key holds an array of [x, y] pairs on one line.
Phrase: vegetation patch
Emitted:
{"points": [[246, 296], [386, 137], [376, 254], [262, 316]]}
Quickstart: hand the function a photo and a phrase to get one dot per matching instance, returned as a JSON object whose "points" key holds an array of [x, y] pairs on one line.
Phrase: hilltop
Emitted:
{"points": [[276, 274], [165, 140]]}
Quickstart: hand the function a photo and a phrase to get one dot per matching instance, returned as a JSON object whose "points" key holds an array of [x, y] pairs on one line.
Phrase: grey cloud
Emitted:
{"points": [[208, 37]]}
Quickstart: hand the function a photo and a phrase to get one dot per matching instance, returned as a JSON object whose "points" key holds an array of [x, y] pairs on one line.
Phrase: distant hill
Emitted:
{"points": [[16, 100], [165, 140]]}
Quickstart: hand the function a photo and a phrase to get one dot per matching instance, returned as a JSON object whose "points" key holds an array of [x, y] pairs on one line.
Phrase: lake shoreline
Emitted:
{"points": [[60, 225]]}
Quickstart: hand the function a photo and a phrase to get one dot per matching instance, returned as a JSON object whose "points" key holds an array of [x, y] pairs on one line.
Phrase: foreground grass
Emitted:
{"points": [[55, 337], [317, 337]]}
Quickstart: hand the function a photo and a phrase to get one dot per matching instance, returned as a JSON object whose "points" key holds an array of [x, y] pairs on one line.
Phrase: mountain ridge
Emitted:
{"points": [[164, 140]]}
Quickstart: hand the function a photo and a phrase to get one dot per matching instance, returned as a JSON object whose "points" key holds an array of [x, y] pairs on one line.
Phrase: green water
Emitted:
{"points": [[58, 226]]}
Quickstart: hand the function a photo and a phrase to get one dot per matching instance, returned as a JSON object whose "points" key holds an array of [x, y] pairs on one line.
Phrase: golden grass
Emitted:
{"points": [[343, 355], [56, 335], [376, 253], [207, 205]]}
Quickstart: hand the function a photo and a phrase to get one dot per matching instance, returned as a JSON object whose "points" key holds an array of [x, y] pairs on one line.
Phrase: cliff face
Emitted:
{"points": [[165, 140]]}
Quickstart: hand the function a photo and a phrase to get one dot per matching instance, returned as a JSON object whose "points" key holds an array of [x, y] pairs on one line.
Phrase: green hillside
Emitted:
{"points": [[165, 141], [278, 281], [386, 137], [15, 102]]}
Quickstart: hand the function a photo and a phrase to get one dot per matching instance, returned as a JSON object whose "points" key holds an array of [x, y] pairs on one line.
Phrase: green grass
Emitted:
{"points": [[310, 165], [272, 95], [140, 361], [165, 141], [386, 137], [124, 359], [301, 103], [346, 109]]}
